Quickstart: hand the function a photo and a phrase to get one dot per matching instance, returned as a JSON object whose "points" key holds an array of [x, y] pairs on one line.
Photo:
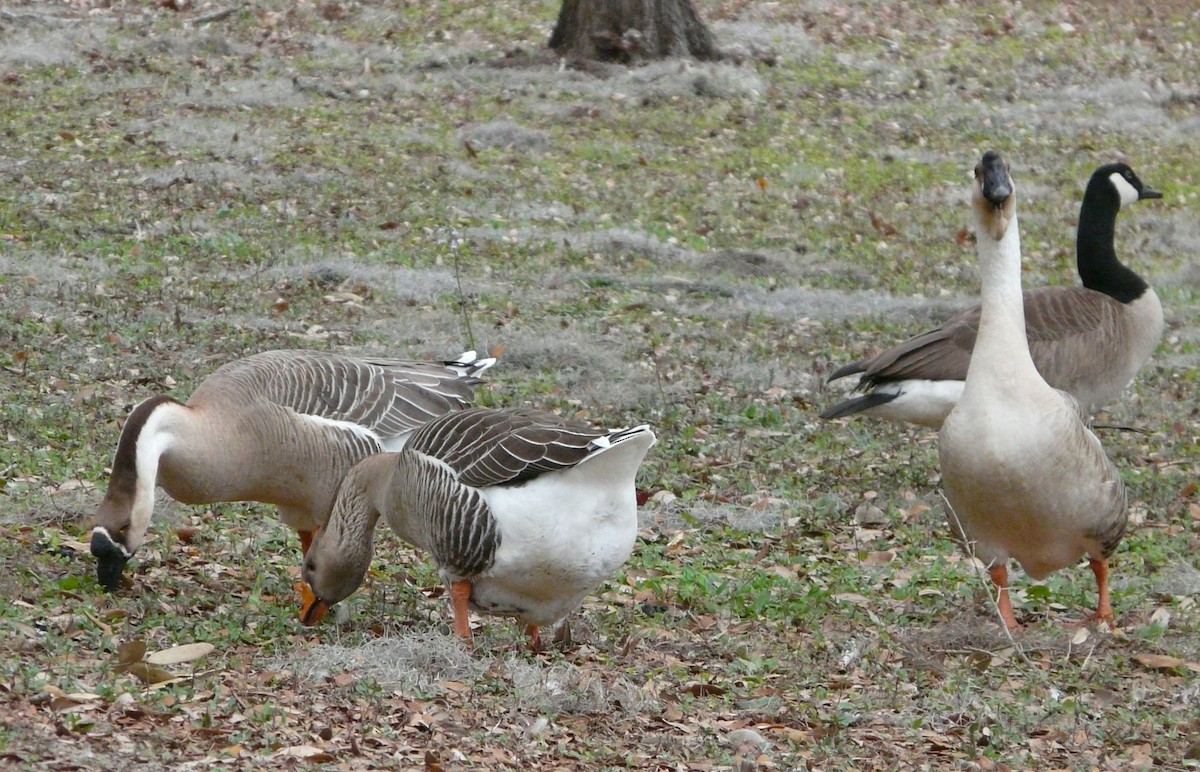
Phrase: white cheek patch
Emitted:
{"points": [[128, 553], [1127, 192]]}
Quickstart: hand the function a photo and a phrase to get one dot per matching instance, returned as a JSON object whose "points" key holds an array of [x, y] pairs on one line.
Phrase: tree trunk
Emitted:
{"points": [[629, 30]]}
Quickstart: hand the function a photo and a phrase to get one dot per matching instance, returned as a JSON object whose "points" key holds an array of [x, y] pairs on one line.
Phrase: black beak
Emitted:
{"points": [[110, 560], [1148, 192], [996, 185]]}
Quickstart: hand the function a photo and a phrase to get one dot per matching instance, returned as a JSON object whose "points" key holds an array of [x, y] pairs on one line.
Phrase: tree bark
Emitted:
{"points": [[631, 30]]}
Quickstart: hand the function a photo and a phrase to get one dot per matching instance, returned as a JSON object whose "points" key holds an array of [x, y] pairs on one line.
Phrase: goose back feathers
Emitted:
{"points": [[1024, 476], [1089, 341], [280, 427], [524, 511]]}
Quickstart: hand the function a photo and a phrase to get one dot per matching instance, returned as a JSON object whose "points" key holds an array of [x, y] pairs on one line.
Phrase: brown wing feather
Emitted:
{"points": [[1066, 329], [386, 397], [1055, 318], [497, 447]]}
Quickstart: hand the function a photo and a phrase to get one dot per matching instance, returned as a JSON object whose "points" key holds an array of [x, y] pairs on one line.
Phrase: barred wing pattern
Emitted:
{"points": [[386, 397], [504, 447]]}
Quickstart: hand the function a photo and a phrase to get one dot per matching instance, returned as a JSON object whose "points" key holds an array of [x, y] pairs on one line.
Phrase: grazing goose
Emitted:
{"points": [[1024, 476], [280, 427], [523, 512], [1089, 341]]}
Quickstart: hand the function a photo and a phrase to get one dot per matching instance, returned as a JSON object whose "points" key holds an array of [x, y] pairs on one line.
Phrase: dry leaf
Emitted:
{"points": [[306, 752], [704, 690], [881, 558], [69, 702], [150, 675], [884, 227], [1080, 636], [131, 652], [178, 654], [1165, 662]]}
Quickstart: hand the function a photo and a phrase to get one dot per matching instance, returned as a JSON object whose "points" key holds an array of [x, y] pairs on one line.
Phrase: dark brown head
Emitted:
{"points": [[995, 204]]}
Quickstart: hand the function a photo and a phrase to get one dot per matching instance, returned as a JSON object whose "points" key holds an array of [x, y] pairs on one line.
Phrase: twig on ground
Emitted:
{"points": [[462, 296], [981, 573], [1123, 428], [209, 18]]}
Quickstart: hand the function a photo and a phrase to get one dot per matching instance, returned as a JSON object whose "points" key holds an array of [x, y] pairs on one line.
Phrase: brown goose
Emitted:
{"points": [[280, 427], [523, 512], [1024, 476], [1089, 341]]}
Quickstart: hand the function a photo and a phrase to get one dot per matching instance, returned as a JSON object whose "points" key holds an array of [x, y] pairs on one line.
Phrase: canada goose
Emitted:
{"points": [[280, 427], [1089, 341], [523, 512], [1023, 475]]}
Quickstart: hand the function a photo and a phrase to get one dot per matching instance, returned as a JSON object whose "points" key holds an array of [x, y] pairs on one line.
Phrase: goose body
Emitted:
{"points": [[523, 513], [1089, 341], [1024, 477], [279, 427]]}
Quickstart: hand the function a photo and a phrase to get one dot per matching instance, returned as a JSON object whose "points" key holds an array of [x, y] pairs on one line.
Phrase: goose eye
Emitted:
{"points": [[310, 565]]}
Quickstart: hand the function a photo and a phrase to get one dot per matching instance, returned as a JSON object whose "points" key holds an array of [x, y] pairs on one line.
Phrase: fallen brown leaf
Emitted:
{"points": [[1165, 662], [177, 654], [131, 652]]}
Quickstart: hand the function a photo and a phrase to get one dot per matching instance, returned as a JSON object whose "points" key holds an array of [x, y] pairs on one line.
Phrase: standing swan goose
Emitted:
{"points": [[524, 513], [1089, 341], [280, 427], [1023, 475]]}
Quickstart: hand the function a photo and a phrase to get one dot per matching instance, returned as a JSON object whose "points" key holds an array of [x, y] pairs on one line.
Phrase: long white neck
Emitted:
{"points": [[1001, 348]]}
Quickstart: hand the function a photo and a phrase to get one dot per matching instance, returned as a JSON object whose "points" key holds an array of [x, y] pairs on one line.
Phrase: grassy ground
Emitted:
{"points": [[689, 245]]}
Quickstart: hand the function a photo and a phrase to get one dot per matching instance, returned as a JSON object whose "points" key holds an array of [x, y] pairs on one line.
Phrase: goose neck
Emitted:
{"points": [[1095, 255], [1001, 343], [148, 434]]}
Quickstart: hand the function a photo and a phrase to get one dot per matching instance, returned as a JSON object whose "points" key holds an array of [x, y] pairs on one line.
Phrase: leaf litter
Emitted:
{"points": [[759, 625]]}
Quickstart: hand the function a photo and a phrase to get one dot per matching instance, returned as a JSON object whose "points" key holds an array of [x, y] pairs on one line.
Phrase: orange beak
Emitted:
{"points": [[312, 608]]}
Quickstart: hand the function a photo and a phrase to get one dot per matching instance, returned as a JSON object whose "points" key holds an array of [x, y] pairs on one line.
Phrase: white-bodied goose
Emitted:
{"points": [[523, 512], [280, 427], [1024, 476], [1089, 341]]}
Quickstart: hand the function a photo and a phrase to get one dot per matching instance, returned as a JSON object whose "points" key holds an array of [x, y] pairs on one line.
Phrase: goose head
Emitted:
{"points": [[993, 199], [1118, 183], [338, 558], [331, 575], [108, 547]]}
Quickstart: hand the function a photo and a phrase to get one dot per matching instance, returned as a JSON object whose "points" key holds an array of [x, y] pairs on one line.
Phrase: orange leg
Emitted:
{"points": [[1104, 611], [306, 540], [460, 597], [999, 575], [535, 637]]}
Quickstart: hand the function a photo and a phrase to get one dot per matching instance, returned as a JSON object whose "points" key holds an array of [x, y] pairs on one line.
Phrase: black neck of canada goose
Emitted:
{"points": [[1111, 187]]}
